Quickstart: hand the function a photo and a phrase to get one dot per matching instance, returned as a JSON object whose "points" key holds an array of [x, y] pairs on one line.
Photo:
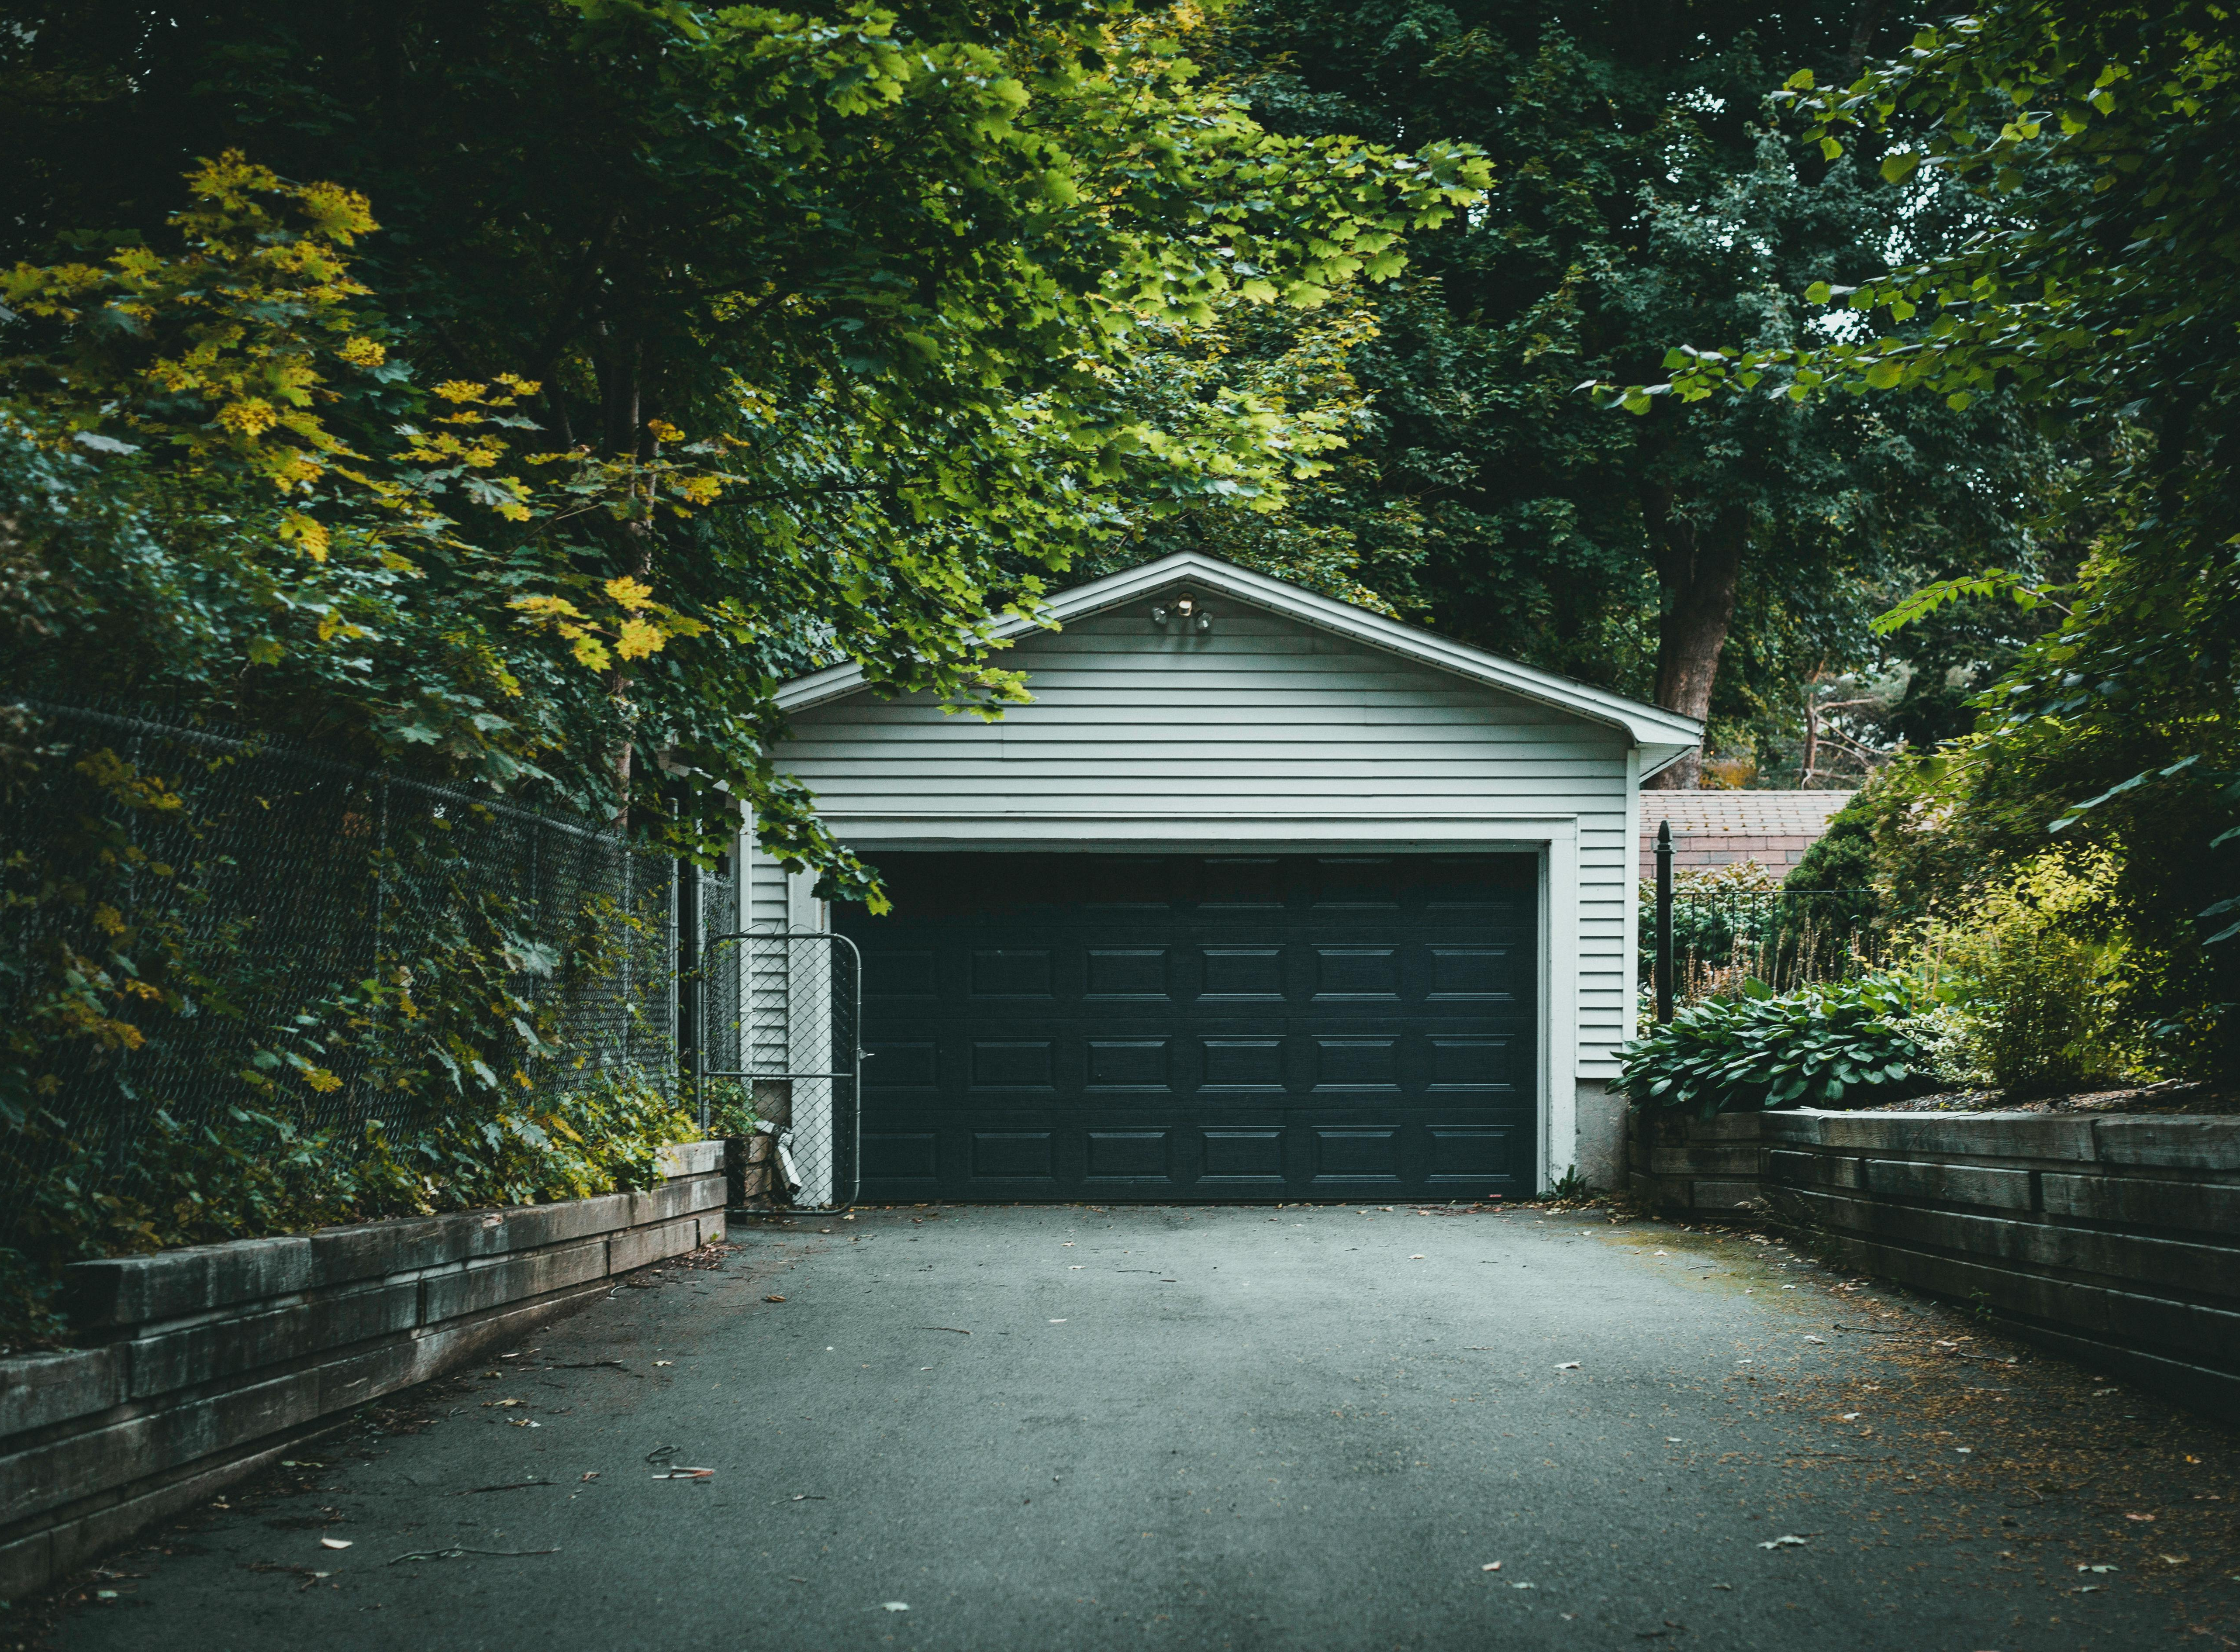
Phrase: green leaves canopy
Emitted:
{"points": [[2099, 146], [886, 278]]}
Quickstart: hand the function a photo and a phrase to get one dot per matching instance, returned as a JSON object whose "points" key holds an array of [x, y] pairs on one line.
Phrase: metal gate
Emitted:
{"points": [[780, 1014]]}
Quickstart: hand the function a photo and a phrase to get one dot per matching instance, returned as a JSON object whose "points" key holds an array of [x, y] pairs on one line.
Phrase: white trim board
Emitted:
{"points": [[1661, 736], [1553, 839]]}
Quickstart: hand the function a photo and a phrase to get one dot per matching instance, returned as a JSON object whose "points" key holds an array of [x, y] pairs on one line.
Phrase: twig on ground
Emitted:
{"points": [[453, 1554], [510, 1485]]}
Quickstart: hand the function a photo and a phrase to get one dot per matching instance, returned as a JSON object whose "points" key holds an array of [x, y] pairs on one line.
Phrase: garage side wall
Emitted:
{"points": [[1266, 727]]}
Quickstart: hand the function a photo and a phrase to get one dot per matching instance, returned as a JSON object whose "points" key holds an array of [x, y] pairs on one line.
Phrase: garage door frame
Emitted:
{"points": [[1552, 840]]}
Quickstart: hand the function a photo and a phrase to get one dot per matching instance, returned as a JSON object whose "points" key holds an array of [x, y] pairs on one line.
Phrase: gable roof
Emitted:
{"points": [[1663, 736]]}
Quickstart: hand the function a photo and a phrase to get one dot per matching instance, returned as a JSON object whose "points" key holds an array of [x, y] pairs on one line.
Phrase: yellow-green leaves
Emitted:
{"points": [[630, 625]]}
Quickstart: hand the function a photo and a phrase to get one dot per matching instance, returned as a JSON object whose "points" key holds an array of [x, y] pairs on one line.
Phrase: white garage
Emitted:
{"points": [[1264, 896]]}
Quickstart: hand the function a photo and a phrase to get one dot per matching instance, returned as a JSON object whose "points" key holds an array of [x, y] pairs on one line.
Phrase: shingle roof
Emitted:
{"points": [[1718, 828]]}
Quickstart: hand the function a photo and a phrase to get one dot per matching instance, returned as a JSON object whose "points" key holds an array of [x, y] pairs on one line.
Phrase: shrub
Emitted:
{"points": [[2032, 978], [1832, 1044], [242, 1173]]}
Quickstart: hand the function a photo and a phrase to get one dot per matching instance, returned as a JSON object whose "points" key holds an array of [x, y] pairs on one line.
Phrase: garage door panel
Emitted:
{"points": [[1242, 1065], [1240, 973], [1122, 973], [1129, 1156], [1013, 1156], [1470, 1153], [1137, 1065], [1240, 1158], [1359, 1064], [1014, 1063], [1356, 1154], [1011, 972], [1224, 1027]]}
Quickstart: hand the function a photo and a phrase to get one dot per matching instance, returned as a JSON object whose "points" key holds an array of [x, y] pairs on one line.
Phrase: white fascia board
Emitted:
{"points": [[1664, 735]]}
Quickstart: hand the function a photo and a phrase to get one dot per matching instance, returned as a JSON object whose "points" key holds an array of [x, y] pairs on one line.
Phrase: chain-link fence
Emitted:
{"points": [[1785, 938], [193, 919], [781, 1014]]}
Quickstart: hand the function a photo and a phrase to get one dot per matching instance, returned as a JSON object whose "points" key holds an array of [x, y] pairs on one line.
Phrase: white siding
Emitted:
{"points": [[1265, 720]]}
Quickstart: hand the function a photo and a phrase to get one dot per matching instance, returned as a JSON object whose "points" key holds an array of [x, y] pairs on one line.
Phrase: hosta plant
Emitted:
{"points": [[1833, 1044]]}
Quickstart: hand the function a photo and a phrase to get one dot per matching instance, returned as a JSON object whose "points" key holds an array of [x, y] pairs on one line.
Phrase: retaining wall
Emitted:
{"points": [[2113, 1239], [200, 1365]]}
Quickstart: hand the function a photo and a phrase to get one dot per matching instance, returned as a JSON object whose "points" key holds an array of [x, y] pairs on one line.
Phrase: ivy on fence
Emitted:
{"points": [[248, 989]]}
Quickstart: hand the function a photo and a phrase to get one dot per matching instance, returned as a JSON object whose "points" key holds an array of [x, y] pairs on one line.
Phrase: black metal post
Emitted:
{"points": [[1664, 921], [688, 982]]}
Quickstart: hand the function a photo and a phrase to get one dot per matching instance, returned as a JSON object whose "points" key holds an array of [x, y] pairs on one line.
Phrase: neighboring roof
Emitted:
{"points": [[1719, 827], [1663, 736]]}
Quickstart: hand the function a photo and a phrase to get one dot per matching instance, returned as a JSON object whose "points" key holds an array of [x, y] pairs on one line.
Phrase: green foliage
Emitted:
{"points": [[1841, 859], [2095, 147], [251, 992], [248, 1172], [730, 1109], [1715, 558], [700, 346], [1837, 1044], [2033, 984]]}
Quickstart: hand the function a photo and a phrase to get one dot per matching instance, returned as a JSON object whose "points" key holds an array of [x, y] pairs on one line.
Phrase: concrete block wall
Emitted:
{"points": [[200, 1365], [2114, 1239]]}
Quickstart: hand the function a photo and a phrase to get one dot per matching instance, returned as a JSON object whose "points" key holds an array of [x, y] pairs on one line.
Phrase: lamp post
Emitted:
{"points": [[1664, 921]]}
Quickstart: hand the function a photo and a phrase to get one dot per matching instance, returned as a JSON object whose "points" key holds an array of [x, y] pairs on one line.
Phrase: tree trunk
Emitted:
{"points": [[1864, 21], [1697, 573]]}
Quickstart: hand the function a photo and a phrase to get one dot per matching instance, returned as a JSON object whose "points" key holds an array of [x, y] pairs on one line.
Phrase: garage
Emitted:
{"points": [[1071, 1026], [1263, 895]]}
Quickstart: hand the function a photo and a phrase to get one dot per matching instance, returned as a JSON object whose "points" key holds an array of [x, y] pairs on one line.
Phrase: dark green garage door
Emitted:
{"points": [[1142, 1026]]}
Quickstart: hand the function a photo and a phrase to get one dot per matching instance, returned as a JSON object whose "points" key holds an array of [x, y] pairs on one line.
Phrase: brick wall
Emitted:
{"points": [[200, 1365], [2115, 1240]]}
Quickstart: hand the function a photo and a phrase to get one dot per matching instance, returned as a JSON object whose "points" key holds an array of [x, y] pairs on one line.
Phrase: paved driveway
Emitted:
{"points": [[1145, 1428]]}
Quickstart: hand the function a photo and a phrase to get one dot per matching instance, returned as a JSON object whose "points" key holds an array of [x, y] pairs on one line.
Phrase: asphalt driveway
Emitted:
{"points": [[1351, 1428]]}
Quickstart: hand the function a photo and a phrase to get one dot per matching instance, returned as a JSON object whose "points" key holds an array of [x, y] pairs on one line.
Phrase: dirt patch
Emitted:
{"points": [[2171, 1095]]}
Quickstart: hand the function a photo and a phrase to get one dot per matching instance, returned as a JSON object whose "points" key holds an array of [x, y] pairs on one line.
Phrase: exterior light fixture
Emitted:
{"points": [[1186, 608]]}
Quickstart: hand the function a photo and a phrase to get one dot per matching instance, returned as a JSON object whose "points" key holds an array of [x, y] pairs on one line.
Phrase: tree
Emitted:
{"points": [[799, 338], [1712, 557], [2099, 147]]}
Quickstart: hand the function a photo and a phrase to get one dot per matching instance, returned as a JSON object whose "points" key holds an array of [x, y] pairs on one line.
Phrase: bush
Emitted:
{"points": [[1833, 1044], [2031, 979], [244, 1174]]}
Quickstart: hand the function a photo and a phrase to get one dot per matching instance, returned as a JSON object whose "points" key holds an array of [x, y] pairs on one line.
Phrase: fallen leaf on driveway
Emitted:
{"points": [[773, 1299], [1569, 1365], [344, 1542], [1784, 1542]]}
